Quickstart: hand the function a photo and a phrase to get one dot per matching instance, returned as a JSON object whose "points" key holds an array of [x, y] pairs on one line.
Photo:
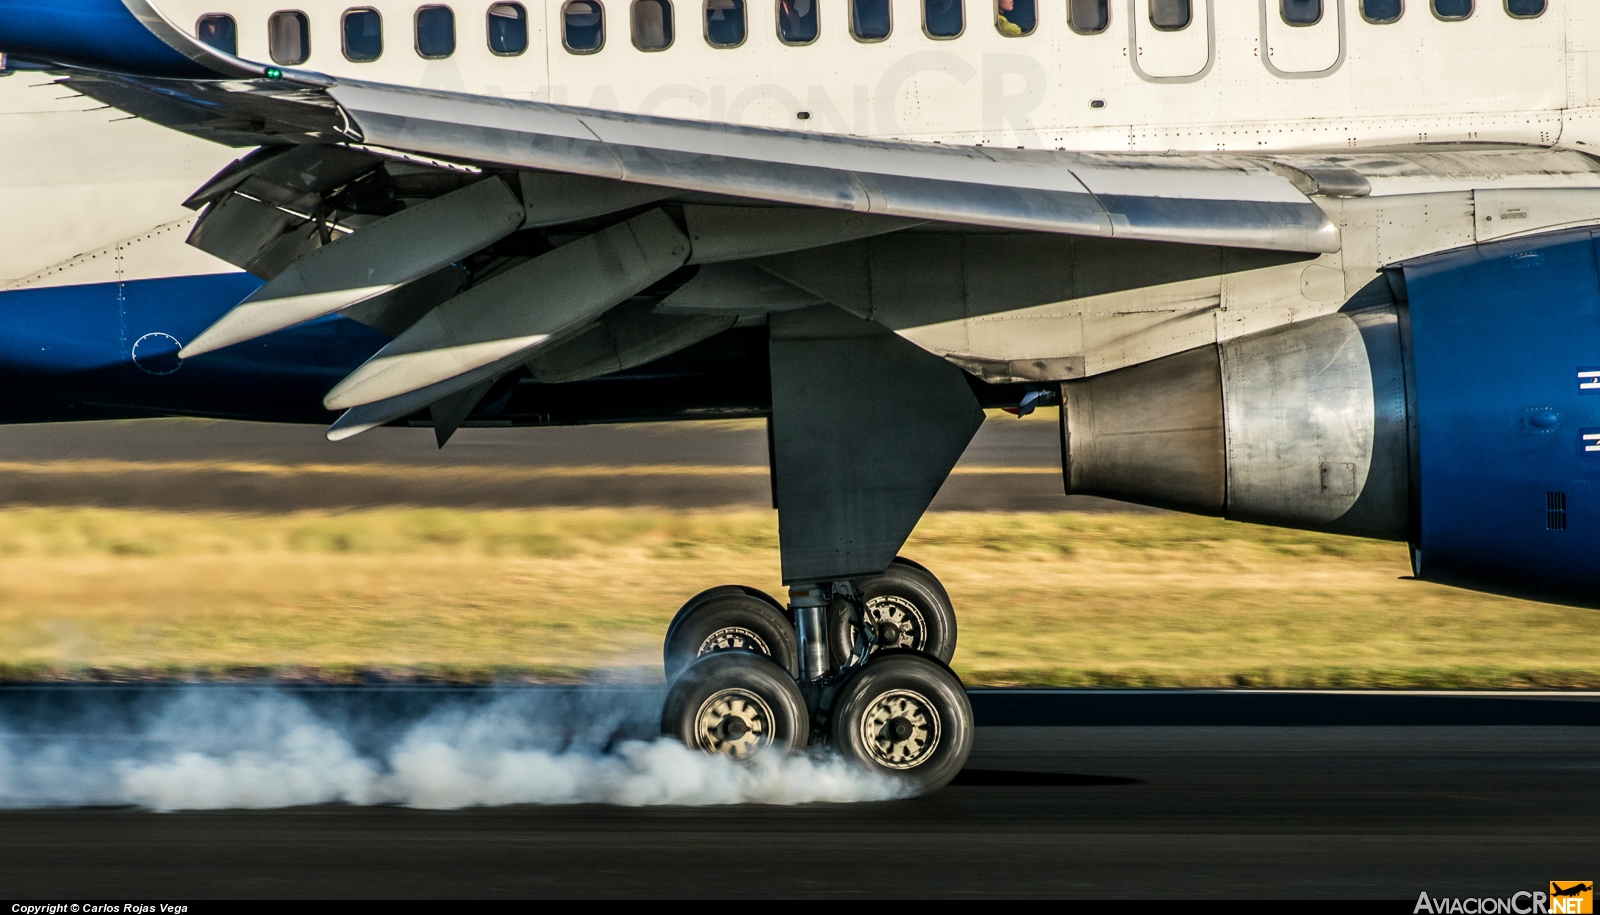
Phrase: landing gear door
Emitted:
{"points": [[1302, 37], [1171, 39]]}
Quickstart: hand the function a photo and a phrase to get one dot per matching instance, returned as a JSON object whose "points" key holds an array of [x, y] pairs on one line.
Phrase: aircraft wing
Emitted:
{"points": [[1183, 199], [1227, 201], [314, 214]]}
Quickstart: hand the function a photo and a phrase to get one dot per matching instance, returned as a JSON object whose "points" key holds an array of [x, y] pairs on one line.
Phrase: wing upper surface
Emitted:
{"points": [[1195, 199], [1231, 201]]}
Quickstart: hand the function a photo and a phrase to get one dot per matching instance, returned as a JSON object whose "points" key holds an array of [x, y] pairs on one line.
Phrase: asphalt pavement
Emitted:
{"points": [[191, 464], [1100, 794]]}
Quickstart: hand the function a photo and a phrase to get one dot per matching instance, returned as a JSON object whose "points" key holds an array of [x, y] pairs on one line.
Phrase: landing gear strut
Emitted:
{"points": [[858, 665]]}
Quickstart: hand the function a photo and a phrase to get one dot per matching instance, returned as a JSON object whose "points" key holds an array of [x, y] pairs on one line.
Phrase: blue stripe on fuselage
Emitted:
{"points": [[68, 345], [94, 34]]}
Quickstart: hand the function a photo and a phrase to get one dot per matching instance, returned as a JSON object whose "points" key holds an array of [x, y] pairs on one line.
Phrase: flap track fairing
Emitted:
{"points": [[393, 251], [511, 315]]}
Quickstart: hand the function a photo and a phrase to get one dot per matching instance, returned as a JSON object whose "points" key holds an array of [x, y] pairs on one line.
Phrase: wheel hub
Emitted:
{"points": [[897, 621], [733, 637], [901, 729], [735, 723]]}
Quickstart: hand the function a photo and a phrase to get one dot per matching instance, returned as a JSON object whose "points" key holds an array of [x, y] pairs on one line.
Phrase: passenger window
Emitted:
{"points": [[943, 18], [725, 23], [1452, 10], [1302, 12], [1526, 9], [797, 21], [289, 38], [1382, 12], [436, 32], [219, 31], [1171, 15], [363, 35], [1016, 18], [508, 29], [583, 26], [652, 24], [1088, 17], [869, 19]]}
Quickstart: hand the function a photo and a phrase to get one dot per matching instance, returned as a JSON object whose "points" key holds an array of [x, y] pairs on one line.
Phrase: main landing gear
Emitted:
{"points": [[864, 429], [859, 665]]}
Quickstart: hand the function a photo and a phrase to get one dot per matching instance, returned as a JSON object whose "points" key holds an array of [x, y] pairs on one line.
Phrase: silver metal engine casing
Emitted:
{"points": [[1301, 426]]}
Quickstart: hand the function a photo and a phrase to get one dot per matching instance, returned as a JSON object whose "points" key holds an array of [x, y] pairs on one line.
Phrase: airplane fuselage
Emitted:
{"points": [[1236, 78]]}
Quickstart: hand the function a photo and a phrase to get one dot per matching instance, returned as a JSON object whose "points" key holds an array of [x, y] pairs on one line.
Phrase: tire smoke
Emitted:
{"points": [[211, 748]]}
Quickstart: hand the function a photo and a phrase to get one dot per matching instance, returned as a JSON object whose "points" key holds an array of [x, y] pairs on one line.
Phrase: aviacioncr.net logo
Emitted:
{"points": [[1566, 897]]}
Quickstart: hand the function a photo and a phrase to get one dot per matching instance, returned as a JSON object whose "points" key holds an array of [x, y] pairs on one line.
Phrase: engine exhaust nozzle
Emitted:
{"points": [[1301, 426]]}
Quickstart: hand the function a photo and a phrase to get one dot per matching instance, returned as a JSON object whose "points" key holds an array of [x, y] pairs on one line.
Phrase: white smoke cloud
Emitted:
{"points": [[212, 749]]}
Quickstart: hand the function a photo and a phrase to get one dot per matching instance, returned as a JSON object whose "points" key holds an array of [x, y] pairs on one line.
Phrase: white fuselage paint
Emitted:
{"points": [[90, 198], [1235, 79]]}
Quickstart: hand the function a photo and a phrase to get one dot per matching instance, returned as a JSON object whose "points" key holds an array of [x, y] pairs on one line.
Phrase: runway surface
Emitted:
{"points": [[187, 464], [1140, 795]]}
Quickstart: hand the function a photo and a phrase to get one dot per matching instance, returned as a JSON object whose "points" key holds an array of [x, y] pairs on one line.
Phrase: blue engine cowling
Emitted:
{"points": [[1504, 341]]}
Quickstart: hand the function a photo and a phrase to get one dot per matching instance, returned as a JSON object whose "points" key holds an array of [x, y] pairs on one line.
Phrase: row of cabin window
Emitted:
{"points": [[289, 33], [1384, 12], [583, 23]]}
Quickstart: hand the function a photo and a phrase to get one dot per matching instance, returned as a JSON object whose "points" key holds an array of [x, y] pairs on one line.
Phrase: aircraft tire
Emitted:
{"points": [[725, 618], [908, 604], [905, 715], [737, 703]]}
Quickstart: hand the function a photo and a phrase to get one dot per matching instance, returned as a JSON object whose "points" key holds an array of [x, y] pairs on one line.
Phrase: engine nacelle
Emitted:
{"points": [[1301, 426], [1459, 410]]}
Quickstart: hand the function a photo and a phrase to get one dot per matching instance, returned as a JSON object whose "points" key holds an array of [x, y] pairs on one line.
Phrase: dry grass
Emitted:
{"points": [[1043, 599]]}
